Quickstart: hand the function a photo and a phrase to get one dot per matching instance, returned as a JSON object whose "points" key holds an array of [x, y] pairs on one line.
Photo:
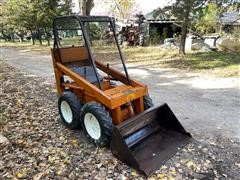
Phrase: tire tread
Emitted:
{"points": [[105, 122], [75, 105]]}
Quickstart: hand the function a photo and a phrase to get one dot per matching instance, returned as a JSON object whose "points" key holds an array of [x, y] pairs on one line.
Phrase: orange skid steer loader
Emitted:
{"points": [[97, 94]]}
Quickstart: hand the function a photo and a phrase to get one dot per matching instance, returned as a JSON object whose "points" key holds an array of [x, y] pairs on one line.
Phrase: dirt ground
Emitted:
{"points": [[38, 146]]}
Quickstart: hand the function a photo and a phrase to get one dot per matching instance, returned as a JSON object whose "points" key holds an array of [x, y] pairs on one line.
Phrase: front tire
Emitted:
{"points": [[69, 109], [97, 124]]}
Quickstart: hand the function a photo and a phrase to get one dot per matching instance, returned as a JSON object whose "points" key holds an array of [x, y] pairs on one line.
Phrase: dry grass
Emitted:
{"points": [[28, 46], [148, 54], [225, 64]]}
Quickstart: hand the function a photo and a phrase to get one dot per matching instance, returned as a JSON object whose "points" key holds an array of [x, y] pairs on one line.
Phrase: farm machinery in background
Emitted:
{"points": [[132, 31], [141, 31]]}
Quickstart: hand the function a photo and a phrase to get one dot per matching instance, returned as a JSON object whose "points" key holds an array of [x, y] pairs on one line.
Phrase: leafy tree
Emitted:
{"points": [[17, 15], [122, 8], [207, 19], [6, 29], [201, 14], [236, 32], [159, 13], [227, 5], [34, 15], [47, 10], [183, 10]]}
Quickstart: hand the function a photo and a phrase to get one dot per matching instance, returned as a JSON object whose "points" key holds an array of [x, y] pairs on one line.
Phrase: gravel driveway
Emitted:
{"points": [[204, 105]]}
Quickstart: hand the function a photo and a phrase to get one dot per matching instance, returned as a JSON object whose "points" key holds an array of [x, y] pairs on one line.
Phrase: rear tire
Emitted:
{"points": [[147, 101], [120, 39], [141, 39], [69, 109], [97, 124]]}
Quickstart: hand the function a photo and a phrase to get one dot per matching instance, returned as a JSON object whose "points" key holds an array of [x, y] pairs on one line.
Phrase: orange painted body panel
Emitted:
{"points": [[115, 98]]}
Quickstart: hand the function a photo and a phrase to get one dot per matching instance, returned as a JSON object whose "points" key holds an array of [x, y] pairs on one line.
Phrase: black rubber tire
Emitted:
{"points": [[141, 39], [105, 121], [75, 107], [147, 101]]}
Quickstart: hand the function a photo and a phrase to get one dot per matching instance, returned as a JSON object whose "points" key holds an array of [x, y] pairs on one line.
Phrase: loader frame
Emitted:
{"points": [[113, 98]]}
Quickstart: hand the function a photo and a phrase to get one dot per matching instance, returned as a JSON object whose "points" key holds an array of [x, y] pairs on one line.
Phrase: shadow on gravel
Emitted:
{"points": [[204, 104]]}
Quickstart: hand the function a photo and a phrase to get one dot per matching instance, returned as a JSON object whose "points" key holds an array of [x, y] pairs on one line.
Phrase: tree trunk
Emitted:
{"points": [[83, 7], [183, 37], [33, 39], [47, 38], [39, 36], [4, 36], [12, 37], [188, 7], [20, 37], [87, 6]]}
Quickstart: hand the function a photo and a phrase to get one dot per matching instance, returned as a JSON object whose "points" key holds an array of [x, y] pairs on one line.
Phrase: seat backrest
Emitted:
{"points": [[73, 54]]}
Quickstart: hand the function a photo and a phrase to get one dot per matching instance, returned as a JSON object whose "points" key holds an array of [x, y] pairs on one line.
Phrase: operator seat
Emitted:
{"points": [[87, 72]]}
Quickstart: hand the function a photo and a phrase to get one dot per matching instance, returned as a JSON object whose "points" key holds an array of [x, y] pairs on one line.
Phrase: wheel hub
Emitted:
{"points": [[66, 111], [92, 126]]}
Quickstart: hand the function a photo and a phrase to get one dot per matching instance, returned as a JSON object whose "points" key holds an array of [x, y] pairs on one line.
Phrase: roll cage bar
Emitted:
{"points": [[82, 20]]}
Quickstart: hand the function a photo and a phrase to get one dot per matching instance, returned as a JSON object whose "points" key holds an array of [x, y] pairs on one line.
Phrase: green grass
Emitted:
{"points": [[224, 64]]}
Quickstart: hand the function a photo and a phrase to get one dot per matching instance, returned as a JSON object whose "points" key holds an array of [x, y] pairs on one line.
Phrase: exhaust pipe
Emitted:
{"points": [[149, 139]]}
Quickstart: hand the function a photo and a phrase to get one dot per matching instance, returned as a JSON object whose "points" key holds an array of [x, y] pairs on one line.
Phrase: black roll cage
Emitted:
{"points": [[82, 20]]}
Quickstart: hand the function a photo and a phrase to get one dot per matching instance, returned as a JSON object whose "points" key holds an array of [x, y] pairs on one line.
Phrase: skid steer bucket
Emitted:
{"points": [[146, 141]]}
